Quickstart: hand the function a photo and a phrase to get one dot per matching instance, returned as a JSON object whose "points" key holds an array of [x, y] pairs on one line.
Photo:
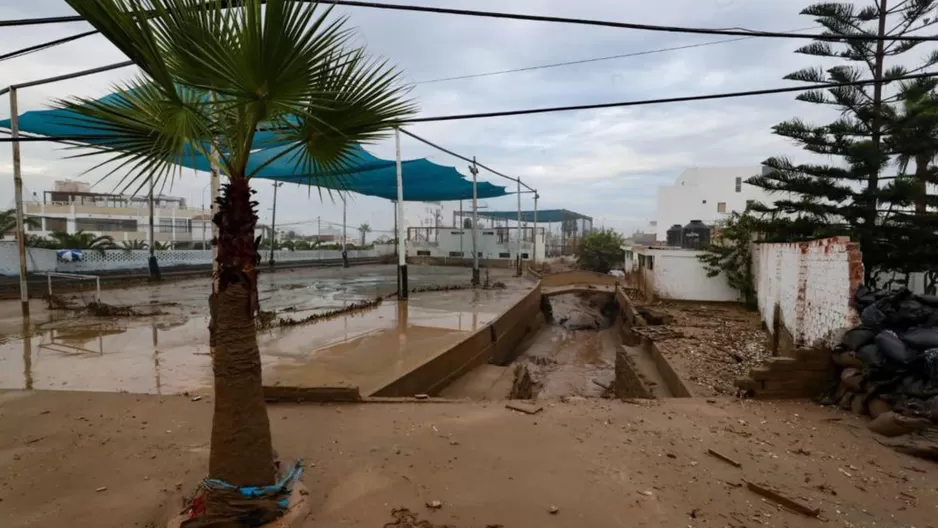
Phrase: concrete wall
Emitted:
{"points": [[44, 260], [675, 274], [578, 277], [451, 242], [495, 343], [804, 288]]}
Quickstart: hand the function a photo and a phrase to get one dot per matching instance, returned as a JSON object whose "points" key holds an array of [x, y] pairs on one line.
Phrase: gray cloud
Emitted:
{"points": [[606, 163]]}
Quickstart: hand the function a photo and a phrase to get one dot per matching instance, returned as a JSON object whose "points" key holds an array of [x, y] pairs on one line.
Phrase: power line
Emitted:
{"points": [[44, 46], [529, 111], [551, 19], [591, 60]]}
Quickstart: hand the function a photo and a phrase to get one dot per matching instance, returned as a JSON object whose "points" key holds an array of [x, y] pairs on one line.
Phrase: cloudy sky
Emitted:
{"points": [[603, 163]]}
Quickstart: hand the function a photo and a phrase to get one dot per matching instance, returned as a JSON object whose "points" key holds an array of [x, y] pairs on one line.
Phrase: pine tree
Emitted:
{"points": [[846, 198]]}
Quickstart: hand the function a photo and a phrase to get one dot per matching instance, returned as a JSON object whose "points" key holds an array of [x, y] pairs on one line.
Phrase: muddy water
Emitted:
{"points": [[168, 353]]}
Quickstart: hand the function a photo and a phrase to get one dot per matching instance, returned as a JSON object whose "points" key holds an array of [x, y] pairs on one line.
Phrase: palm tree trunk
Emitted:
{"points": [[241, 449], [921, 187]]}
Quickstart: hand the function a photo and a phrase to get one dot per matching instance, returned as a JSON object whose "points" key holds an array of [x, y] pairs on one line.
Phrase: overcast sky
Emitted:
{"points": [[603, 163]]}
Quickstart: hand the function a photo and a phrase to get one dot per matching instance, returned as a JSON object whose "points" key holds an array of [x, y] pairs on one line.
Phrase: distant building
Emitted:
{"points": [[71, 207], [707, 194]]}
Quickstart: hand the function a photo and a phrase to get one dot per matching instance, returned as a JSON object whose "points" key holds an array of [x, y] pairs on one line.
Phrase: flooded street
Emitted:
{"points": [[168, 352]]}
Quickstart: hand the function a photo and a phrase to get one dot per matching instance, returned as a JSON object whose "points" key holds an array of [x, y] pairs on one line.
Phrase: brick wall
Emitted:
{"points": [[804, 292]]}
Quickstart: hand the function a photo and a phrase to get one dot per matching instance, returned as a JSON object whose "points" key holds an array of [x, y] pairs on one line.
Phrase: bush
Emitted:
{"points": [[601, 251]]}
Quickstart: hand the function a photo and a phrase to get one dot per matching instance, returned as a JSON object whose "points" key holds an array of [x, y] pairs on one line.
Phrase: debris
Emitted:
{"points": [[782, 500], [524, 407], [102, 488], [196, 398], [724, 458], [422, 396], [553, 509], [34, 440], [601, 384], [434, 505]]}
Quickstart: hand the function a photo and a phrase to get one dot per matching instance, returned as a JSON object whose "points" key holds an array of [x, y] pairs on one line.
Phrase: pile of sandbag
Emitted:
{"points": [[890, 361]]}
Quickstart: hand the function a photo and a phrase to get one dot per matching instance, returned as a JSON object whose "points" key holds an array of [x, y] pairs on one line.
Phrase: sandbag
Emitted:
{"points": [[921, 338], [930, 357], [869, 355], [847, 358], [855, 338], [852, 378], [891, 347], [872, 316], [878, 406], [908, 313], [891, 424], [863, 297], [928, 300], [857, 404]]}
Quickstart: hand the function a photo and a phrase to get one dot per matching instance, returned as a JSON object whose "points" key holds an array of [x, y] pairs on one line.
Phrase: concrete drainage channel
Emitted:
{"points": [[579, 339]]}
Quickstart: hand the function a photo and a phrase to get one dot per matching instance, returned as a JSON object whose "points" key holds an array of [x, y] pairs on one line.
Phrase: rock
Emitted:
{"points": [[434, 505], [553, 509]]}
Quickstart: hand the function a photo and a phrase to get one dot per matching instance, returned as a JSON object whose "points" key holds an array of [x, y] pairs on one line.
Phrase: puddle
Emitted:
{"points": [[169, 354]]}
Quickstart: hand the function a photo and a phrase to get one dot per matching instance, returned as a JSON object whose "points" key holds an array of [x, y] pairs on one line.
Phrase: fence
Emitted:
{"points": [[45, 260]]}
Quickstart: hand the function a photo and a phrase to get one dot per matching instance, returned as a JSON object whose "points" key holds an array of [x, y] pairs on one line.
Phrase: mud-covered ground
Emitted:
{"points": [[710, 345], [121, 461]]}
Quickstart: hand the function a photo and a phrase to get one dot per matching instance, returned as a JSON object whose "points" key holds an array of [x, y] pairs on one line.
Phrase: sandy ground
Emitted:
{"points": [[116, 460]]}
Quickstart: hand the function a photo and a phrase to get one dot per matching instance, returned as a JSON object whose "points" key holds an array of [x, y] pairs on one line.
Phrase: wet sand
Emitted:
{"points": [[168, 353], [601, 463]]}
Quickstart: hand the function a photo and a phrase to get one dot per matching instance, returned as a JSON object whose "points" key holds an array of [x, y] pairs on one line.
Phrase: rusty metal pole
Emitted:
{"points": [[18, 195]]}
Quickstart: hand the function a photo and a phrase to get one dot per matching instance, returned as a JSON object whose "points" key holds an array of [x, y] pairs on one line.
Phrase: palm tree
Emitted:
{"points": [[82, 240], [364, 229], [301, 245], [8, 222], [130, 245], [915, 135], [223, 82]]}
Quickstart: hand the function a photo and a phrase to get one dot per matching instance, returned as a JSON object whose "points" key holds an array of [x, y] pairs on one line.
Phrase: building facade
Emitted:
{"points": [[72, 207], [707, 194]]}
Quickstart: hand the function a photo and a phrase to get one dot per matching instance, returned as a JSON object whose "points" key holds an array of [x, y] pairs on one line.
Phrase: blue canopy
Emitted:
{"points": [[423, 180], [547, 216]]}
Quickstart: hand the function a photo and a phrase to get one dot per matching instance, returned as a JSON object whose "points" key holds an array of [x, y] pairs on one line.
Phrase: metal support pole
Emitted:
{"points": [[345, 233], [520, 230], [475, 221], [534, 255], [18, 195], [152, 262], [215, 184], [273, 225], [401, 257]]}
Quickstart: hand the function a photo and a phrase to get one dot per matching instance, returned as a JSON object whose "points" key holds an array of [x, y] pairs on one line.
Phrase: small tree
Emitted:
{"points": [[364, 229], [601, 251], [730, 253]]}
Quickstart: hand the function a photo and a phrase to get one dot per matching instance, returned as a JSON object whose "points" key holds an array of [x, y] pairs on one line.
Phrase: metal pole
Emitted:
{"points": [[153, 264], [18, 194], [273, 225], [534, 255], [520, 231], [401, 257], [345, 233], [475, 221], [215, 184]]}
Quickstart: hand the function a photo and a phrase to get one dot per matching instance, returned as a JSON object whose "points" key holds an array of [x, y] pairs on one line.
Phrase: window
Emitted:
{"points": [[421, 253], [651, 262], [721, 207], [504, 255], [524, 256], [102, 224], [455, 253], [739, 184]]}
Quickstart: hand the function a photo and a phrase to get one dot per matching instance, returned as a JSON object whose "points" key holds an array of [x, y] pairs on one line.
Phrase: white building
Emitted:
{"points": [[706, 194], [71, 207], [675, 274], [499, 243]]}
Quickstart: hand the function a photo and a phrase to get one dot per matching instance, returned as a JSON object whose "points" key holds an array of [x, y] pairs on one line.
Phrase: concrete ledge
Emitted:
{"points": [[675, 384], [578, 277], [495, 343], [276, 393]]}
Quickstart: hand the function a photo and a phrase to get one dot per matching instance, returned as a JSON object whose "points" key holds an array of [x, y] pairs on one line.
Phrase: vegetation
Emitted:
{"points": [[8, 222], [211, 78], [730, 253], [601, 251], [888, 215], [130, 245], [81, 240], [364, 229]]}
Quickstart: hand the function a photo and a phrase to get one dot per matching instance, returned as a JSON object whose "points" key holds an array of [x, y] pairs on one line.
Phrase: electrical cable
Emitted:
{"points": [[551, 19], [45, 45], [529, 111], [591, 60]]}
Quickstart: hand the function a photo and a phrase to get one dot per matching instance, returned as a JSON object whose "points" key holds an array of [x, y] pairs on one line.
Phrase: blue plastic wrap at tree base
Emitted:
{"points": [[423, 180], [237, 501]]}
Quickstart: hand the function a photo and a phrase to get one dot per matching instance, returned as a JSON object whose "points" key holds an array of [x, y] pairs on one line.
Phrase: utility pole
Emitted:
{"points": [[18, 192], [273, 225], [520, 229], [475, 220], [344, 234], [876, 135], [402, 288], [153, 264]]}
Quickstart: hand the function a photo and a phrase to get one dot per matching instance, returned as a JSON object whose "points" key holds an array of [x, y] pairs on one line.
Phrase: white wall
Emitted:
{"points": [[812, 283], [460, 241], [697, 192], [677, 274]]}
